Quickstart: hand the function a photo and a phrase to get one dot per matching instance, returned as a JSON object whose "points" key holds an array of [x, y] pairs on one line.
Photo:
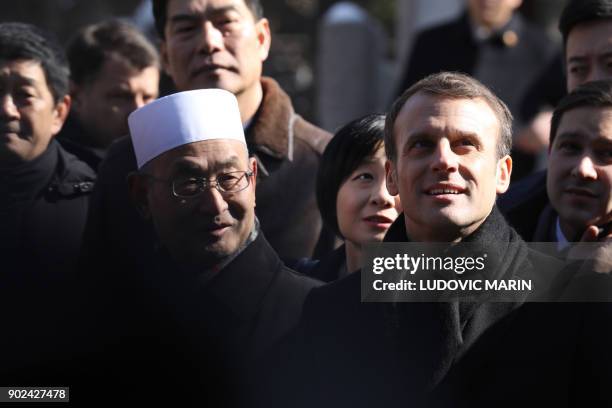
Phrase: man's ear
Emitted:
{"points": [[264, 38], [391, 177], [253, 167], [138, 187], [60, 113], [504, 171]]}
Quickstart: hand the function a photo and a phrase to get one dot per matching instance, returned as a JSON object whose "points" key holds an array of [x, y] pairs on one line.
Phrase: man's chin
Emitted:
{"points": [[222, 81], [582, 217]]}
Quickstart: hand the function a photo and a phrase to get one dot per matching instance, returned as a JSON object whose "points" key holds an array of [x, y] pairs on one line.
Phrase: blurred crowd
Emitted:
{"points": [[206, 247]]}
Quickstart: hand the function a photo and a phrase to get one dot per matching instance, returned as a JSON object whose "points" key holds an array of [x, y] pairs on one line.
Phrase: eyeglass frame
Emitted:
{"points": [[204, 183]]}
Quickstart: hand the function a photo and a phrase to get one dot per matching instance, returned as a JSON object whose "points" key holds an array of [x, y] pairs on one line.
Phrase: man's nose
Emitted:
{"points": [[444, 159], [585, 168], [8, 109], [212, 201], [212, 38]]}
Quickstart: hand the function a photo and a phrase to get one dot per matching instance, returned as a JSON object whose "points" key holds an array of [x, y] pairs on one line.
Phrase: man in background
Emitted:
{"points": [[586, 27], [114, 70]]}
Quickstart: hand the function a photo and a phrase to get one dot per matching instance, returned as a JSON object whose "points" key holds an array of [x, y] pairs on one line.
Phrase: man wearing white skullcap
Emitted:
{"points": [[196, 181], [228, 54], [214, 297]]}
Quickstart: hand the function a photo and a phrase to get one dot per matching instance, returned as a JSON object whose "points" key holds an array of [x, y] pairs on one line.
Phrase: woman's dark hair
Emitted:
{"points": [[351, 146]]}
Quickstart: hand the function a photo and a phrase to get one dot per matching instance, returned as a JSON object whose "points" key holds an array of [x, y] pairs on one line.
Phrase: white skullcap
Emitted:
{"points": [[182, 118]]}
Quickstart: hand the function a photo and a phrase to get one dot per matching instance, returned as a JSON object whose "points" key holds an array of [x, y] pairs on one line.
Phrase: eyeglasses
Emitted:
{"points": [[225, 183]]}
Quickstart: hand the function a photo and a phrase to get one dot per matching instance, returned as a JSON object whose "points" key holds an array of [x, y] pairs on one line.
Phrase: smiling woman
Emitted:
{"points": [[352, 194]]}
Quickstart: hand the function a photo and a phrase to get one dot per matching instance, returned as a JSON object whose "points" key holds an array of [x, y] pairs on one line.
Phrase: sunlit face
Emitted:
{"points": [[365, 209], [203, 230], [104, 103], [214, 44], [580, 169], [29, 116], [492, 13], [588, 53], [447, 170]]}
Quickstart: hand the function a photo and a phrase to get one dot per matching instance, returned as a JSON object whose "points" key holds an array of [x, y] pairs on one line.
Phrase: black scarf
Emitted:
{"points": [[26, 181], [431, 336], [19, 187]]}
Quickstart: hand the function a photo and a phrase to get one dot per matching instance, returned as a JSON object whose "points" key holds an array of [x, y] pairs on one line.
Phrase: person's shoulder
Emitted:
{"points": [[523, 204], [121, 148], [74, 177], [534, 43], [312, 135], [344, 291], [534, 35], [119, 161], [277, 111], [290, 278], [526, 192]]}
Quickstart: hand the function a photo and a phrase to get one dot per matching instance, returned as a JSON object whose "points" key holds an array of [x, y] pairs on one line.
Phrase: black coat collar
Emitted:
{"points": [[242, 285], [504, 247]]}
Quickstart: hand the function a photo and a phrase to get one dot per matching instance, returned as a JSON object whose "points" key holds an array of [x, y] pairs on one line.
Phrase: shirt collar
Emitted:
{"points": [[562, 242]]}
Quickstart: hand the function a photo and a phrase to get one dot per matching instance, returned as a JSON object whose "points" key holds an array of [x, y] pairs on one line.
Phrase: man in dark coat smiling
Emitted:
{"points": [[214, 296], [448, 139]]}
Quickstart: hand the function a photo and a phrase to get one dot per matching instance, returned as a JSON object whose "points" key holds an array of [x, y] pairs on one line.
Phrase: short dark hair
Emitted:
{"points": [[596, 94], [95, 43], [160, 12], [351, 146], [452, 85], [20, 41], [582, 11]]}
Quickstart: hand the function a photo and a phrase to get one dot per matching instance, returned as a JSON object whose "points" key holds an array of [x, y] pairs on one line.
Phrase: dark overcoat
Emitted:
{"points": [[456, 353], [161, 335], [43, 208]]}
